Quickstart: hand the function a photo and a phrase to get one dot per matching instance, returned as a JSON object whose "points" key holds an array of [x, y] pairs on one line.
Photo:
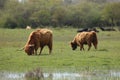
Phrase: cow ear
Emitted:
{"points": [[71, 42], [31, 45]]}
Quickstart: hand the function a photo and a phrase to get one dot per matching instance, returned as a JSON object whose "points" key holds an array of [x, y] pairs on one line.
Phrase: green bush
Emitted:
{"points": [[54, 13]]}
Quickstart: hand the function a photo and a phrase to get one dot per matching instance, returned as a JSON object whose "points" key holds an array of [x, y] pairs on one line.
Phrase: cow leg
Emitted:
{"points": [[89, 46], [50, 48], [81, 47], [35, 52], [32, 52], [95, 45], [41, 50]]}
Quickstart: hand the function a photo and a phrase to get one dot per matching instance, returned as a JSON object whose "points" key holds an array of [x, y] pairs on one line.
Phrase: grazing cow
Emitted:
{"points": [[82, 30], [107, 29], [87, 30], [85, 38], [39, 38], [93, 29]]}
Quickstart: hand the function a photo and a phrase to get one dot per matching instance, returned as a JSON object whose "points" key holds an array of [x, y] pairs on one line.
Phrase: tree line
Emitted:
{"points": [[57, 13]]}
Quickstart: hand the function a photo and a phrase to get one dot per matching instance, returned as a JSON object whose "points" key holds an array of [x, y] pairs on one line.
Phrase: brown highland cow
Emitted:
{"points": [[82, 38], [38, 39]]}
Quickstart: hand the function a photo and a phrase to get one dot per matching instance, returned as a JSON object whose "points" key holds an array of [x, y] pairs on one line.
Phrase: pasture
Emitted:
{"points": [[106, 57]]}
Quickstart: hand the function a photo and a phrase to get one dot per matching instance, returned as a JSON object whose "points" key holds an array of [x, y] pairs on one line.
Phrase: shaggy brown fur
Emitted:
{"points": [[85, 38], [39, 38]]}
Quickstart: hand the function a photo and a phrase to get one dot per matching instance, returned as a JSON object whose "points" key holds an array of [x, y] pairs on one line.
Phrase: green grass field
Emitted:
{"points": [[107, 56]]}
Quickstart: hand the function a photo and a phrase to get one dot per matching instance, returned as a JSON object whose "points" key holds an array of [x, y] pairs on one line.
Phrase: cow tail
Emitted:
{"points": [[95, 40], [51, 42]]}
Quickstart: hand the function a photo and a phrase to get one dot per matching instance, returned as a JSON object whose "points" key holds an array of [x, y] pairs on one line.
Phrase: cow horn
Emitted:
{"points": [[20, 49], [31, 45]]}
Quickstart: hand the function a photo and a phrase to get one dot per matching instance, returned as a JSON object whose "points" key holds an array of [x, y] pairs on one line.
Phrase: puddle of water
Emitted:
{"points": [[11, 76], [62, 76], [110, 75]]}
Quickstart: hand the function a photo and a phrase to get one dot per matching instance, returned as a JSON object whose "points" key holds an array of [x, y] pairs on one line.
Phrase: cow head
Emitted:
{"points": [[73, 45], [29, 49]]}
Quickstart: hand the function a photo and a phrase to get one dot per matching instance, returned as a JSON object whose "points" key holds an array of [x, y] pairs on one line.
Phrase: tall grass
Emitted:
{"points": [[106, 57]]}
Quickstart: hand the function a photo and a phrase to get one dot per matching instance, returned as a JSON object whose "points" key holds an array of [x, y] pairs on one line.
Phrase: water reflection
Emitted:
{"points": [[11, 76], [38, 74]]}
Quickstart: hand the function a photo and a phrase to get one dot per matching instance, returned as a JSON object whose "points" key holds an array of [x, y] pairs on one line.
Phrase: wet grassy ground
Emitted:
{"points": [[107, 57]]}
